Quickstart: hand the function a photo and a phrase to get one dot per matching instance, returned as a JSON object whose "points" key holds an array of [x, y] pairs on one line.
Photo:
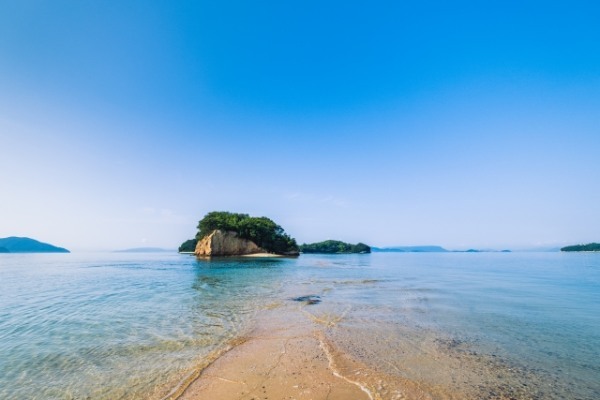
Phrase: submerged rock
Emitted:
{"points": [[309, 299], [220, 243]]}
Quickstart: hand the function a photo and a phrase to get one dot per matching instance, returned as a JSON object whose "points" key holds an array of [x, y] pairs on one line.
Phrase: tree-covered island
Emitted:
{"points": [[582, 247], [334, 247], [262, 231], [188, 246]]}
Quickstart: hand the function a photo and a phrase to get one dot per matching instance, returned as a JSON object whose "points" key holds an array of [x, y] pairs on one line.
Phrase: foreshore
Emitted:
{"points": [[329, 338], [296, 353], [288, 356], [264, 255], [254, 255], [276, 363]]}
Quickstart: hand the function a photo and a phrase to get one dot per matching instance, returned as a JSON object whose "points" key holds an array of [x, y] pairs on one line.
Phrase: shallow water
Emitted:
{"points": [[484, 325], [131, 326], [109, 326]]}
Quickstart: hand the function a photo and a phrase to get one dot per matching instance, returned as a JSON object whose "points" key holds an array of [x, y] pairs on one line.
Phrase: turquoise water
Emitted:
{"points": [[117, 326], [131, 326], [527, 323]]}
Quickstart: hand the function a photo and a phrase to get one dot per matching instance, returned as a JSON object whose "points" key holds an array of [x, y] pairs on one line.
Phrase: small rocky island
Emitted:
{"points": [[334, 247], [222, 233], [582, 247]]}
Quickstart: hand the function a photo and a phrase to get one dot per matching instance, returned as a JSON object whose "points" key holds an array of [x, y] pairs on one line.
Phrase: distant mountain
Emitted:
{"points": [[145, 250], [481, 251], [409, 249], [26, 245]]}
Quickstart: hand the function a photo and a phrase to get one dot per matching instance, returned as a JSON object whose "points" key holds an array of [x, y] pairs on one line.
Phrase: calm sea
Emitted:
{"points": [[132, 326]]}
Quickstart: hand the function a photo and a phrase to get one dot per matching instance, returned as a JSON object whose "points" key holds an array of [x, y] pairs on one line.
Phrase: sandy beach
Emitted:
{"points": [[323, 338], [296, 352], [277, 360], [288, 356], [264, 255]]}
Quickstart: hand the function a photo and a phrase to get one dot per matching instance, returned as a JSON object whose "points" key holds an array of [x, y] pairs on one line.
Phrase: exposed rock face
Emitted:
{"points": [[220, 243]]}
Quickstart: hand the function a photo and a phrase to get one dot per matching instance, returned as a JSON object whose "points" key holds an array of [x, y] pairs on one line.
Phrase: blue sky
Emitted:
{"points": [[471, 124]]}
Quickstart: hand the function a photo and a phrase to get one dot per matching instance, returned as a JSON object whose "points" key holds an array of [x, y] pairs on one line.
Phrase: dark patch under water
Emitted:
{"points": [[309, 299]]}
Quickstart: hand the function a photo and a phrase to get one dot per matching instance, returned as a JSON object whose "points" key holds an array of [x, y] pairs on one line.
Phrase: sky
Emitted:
{"points": [[465, 124]]}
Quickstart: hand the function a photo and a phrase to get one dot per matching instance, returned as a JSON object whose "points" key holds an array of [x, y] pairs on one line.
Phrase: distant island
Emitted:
{"points": [[430, 249], [222, 233], [410, 249], [334, 247], [143, 250], [582, 247], [27, 245], [481, 251]]}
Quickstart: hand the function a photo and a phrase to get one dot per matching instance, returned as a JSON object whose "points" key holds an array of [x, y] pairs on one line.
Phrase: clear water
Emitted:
{"points": [[131, 326], [112, 326], [509, 325]]}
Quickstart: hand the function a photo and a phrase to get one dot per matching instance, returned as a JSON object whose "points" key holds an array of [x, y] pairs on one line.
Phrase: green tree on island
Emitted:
{"points": [[261, 230], [334, 247], [582, 247], [188, 246]]}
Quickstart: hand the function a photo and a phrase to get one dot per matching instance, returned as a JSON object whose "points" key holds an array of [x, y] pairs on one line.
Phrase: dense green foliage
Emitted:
{"points": [[583, 247], [189, 246], [261, 230], [334, 247]]}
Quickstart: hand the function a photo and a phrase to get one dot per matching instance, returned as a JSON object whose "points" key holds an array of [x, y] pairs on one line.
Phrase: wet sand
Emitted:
{"points": [[278, 360], [288, 355], [297, 351], [263, 255]]}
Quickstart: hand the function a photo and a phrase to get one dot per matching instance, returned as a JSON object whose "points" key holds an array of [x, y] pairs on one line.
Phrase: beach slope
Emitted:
{"points": [[276, 361]]}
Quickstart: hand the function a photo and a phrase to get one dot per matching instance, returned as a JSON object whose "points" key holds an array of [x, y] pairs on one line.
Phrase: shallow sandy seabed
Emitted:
{"points": [[298, 351], [288, 356]]}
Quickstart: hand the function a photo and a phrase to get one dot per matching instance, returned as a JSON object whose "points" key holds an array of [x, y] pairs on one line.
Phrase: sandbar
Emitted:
{"points": [[265, 255], [277, 360]]}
